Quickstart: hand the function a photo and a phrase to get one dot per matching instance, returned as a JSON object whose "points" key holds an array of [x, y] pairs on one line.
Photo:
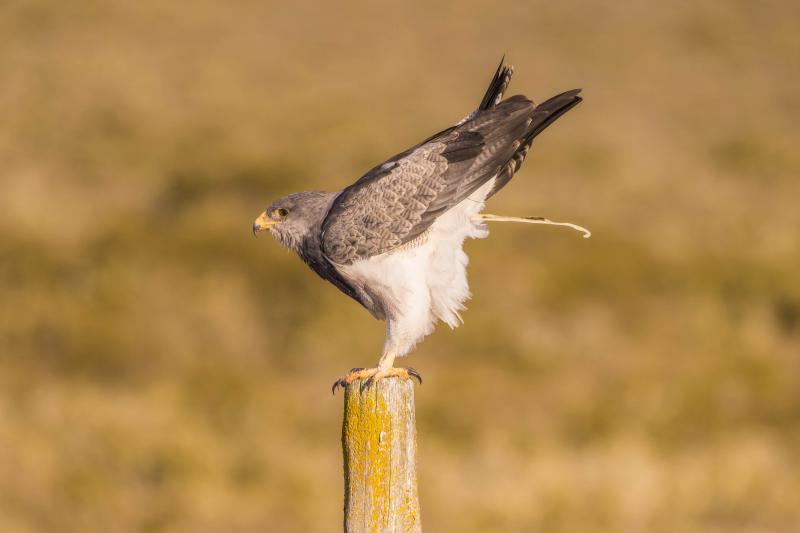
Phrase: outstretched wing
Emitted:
{"points": [[397, 201]]}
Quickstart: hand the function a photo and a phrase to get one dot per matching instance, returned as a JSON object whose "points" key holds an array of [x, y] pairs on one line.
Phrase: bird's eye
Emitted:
{"points": [[280, 212]]}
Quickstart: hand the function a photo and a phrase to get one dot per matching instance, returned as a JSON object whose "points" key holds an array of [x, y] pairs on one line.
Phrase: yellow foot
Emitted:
{"points": [[371, 375]]}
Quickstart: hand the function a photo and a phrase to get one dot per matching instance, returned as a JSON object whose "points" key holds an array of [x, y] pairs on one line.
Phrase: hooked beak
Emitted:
{"points": [[262, 223]]}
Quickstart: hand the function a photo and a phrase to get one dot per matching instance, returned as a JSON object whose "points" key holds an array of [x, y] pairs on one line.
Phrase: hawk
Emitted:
{"points": [[393, 240]]}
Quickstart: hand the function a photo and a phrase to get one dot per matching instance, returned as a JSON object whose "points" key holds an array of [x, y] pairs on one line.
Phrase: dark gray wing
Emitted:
{"points": [[397, 201]]}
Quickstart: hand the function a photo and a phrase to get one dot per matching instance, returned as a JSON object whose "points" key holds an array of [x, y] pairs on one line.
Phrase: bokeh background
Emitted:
{"points": [[161, 370]]}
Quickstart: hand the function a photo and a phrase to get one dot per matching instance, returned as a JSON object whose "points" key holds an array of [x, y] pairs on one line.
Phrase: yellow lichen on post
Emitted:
{"points": [[379, 441]]}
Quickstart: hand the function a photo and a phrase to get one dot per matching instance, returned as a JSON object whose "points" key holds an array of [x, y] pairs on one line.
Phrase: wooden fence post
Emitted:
{"points": [[379, 441]]}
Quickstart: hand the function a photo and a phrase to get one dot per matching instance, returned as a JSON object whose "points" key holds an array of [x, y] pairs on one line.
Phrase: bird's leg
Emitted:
{"points": [[371, 375], [386, 361]]}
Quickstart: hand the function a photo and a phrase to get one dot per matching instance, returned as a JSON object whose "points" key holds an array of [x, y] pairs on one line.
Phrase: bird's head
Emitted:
{"points": [[290, 219]]}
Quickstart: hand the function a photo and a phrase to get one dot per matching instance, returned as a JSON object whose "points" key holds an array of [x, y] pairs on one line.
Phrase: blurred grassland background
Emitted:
{"points": [[161, 370]]}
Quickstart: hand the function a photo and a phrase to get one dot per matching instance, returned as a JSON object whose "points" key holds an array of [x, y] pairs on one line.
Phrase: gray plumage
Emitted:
{"points": [[398, 200], [397, 204]]}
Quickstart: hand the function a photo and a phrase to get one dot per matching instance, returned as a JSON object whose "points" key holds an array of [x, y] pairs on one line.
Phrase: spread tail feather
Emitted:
{"points": [[485, 217], [494, 93], [498, 85]]}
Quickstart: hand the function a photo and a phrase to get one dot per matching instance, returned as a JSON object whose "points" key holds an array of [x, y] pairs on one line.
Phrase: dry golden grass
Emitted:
{"points": [[160, 370]]}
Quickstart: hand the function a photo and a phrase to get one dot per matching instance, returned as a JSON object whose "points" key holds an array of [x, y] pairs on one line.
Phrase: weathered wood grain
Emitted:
{"points": [[379, 441]]}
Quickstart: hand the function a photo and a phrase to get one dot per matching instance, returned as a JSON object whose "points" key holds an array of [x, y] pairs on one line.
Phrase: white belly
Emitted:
{"points": [[425, 280]]}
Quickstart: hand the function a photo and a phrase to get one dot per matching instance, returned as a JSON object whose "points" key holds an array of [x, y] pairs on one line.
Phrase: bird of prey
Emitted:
{"points": [[393, 240]]}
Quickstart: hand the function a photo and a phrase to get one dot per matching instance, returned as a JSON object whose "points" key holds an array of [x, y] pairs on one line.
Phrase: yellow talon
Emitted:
{"points": [[371, 375]]}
